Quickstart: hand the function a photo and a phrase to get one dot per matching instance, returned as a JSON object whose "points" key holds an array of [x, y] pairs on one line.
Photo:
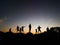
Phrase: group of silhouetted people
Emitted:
{"points": [[38, 29], [21, 29]]}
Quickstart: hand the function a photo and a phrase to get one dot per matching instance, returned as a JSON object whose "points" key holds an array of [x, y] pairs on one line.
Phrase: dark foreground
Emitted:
{"points": [[47, 38]]}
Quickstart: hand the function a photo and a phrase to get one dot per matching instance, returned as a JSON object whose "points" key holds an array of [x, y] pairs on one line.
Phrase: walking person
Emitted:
{"points": [[39, 28]]}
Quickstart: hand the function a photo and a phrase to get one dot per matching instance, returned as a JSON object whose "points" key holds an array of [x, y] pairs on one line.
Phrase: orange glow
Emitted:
{"points": [[26, 30]]}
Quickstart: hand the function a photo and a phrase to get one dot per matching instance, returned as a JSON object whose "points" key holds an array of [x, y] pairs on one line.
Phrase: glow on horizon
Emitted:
{"points": [[42, 21], [6, 29]]}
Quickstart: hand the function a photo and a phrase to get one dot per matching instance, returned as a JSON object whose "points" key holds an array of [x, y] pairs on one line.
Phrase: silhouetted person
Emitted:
{"points": [[17, 28], [36, 30], [47, 29], [22, 28], [39, 28], [10, 30], [29, 27]]}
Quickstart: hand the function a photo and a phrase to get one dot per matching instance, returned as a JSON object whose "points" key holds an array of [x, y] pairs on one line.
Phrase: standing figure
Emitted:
{"points": [[22, 28], [10, 30], [47, 29], [36, 30], [39, 28], [29, 27], [17, 28]]}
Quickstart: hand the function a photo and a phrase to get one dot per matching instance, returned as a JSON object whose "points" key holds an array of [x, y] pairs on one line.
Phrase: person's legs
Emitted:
{"points": [[40, 30], [29, 29]]}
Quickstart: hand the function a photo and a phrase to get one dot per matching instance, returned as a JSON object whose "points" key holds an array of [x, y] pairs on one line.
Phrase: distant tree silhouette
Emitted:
{"points": [[17, 28], [10, 30], [52, 28], [39, 28], [30, 27], [56, 29]]}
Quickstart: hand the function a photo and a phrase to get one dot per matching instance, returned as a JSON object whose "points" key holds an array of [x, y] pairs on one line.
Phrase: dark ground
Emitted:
{"points": [[47, 38]]}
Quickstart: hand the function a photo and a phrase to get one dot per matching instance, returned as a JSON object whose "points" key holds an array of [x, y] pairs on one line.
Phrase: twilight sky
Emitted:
{"points": [[45, 13]]}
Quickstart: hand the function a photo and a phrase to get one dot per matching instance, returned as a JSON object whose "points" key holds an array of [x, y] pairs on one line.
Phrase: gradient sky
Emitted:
{"points": [[45, 13]]}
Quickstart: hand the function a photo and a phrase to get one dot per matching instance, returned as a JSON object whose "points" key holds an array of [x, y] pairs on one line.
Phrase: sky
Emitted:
{"points": [[44, 13]]}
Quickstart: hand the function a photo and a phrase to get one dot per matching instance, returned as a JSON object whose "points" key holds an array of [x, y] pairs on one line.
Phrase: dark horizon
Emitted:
{"points": [[49, 37]]}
